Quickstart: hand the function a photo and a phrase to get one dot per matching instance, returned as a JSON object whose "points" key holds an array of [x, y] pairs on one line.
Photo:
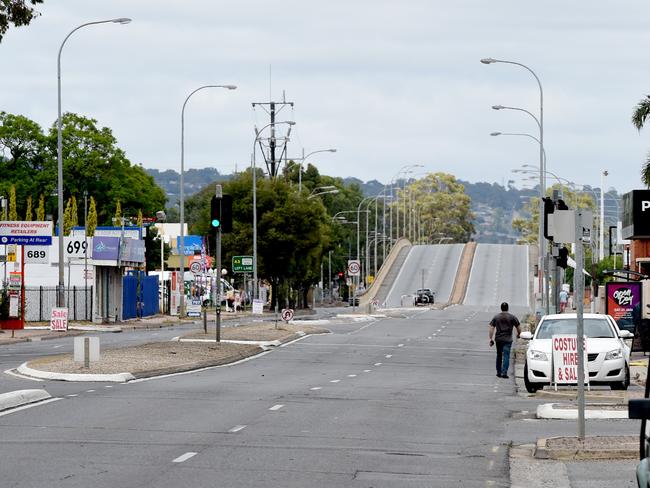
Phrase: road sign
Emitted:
{"points": [[242, 264], [354, 267], [195, 267], [26, 233], [287, 314], [37, 254]]}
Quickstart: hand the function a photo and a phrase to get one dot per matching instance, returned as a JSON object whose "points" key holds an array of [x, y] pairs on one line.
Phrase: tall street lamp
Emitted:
{"points": [[542, 164], [59, 154], [181, 264], [302, 161], [290, 123]]}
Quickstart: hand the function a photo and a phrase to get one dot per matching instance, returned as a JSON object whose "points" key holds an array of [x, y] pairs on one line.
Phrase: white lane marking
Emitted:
{"points": [[334, 381], [377, 364], [108, 386], [388, 356], [73, 395], [444, 326], [361, 328], [25, 407], [276, 407], [316, 388], [184, 457], [56, 347], [352, 376], [90, 391], [400, 345], [367, 370], [438, 330], [237, 428]]}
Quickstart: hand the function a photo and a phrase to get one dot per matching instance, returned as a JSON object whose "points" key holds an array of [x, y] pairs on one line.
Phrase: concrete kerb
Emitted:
{"points": [[19, 398], [617, 447], [47, 375]]}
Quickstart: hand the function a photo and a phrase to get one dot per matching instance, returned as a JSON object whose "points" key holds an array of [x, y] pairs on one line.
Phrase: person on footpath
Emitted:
{"points": [[564, 298], [501, 327]]}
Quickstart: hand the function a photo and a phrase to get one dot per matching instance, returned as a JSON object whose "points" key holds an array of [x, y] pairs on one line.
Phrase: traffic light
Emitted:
{"points": [[549, 208], [563, 257], [221, 214], [561, 205]]}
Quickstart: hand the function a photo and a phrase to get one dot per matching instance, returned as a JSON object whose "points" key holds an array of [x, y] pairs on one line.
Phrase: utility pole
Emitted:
{"points": [[271, 158], [219, 195]]}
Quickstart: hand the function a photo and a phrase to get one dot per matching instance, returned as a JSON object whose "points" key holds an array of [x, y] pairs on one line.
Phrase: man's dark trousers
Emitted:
{"points": [[503, 357]]}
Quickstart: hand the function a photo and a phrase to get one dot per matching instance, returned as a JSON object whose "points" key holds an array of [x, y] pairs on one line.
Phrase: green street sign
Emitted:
{"points": [[242, 264]]}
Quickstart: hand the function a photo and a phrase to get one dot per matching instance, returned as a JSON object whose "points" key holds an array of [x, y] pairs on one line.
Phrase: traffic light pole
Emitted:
{"points": [[219, 196]]}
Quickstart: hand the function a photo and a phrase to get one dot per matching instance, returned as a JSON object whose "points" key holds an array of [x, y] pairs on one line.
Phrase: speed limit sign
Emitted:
{"points": [[287, 314], [195, 267], [354, 267]]}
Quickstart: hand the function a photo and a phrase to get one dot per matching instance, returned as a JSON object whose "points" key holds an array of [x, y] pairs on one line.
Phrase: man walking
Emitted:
{"points": [[501, 327]]}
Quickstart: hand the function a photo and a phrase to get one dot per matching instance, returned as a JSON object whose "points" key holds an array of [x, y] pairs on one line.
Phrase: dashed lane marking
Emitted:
{"points": [[276, 407], [184, 457], [316, 388], [400, 345], [367, 370], [377, 364], [388, 356], [352, 376], [72, 395], [237, 428], [334, 381], [90, 391]]}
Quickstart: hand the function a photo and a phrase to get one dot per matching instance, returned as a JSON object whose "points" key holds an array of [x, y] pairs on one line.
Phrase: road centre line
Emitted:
{"points": [[276, 407], [184, 457], [237, 428]]}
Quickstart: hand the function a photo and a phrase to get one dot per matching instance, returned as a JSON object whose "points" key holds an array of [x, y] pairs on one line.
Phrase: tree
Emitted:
{"points": [[91, 225], [118, 214], [16, 12], [74, 213], [139, 221], [40, 210], [639, 117], [28, 212], [13, 215]]}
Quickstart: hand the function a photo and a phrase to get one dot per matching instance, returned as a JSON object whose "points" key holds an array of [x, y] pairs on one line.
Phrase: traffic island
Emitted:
{"points": [[591, 447]]}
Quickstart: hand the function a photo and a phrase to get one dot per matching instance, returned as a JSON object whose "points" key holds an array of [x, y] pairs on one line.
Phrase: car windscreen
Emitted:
{"points": [[593, 328]]}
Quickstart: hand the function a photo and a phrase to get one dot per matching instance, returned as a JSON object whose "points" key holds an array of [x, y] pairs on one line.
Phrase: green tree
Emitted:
{"points": [[16, 12], [67, 218], [28, 212], [139, 221], [118, 214], [74, 212], [91, 225], [639, 117]]}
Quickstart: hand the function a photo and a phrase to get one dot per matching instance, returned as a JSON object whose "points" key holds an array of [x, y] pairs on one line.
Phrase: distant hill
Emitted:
{"points": [[493, 205]]}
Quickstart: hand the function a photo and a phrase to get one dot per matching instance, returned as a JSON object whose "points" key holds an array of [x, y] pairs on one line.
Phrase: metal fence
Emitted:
{"points": [[40, 300]]}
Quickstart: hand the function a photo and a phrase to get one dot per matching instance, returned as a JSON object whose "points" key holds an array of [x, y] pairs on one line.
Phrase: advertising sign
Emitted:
{"points": [[623, 303], [59, 319], [132, 250], [194, 307], [636, 214], [258, 306], [26, 233], [565, 359], [191, 244], [106, 248], [242, 264]]}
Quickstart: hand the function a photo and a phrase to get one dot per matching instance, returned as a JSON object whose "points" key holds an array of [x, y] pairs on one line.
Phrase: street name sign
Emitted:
{"points": [[242, 264], [38, 233]]}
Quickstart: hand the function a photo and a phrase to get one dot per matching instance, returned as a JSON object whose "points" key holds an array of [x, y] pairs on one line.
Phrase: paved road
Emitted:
{"points": [[439, 263], [499, 274]]}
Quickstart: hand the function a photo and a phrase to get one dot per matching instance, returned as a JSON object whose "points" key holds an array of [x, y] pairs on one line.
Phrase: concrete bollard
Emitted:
{"points": [[86, 349]]}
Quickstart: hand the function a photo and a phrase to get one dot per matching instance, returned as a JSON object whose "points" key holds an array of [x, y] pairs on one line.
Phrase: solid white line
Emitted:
{"points": [[25, 407], [334, 381], [276, 407], [316, 388], [237, 428], [184, 457]]}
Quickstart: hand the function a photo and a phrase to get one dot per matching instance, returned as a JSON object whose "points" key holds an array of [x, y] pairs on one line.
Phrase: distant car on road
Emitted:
{"points": [[424, 296], [608, 356]]}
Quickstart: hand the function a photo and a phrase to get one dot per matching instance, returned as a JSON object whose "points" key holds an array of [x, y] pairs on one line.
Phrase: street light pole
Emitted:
{"points": [[302, 161], [59, 154], [182, 196]]}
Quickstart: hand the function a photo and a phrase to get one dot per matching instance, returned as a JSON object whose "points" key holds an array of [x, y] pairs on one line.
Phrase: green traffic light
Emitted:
{"points": [[215, 223]]}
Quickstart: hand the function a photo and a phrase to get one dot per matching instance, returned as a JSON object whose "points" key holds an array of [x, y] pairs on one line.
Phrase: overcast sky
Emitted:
{"points": [[387, 83]]}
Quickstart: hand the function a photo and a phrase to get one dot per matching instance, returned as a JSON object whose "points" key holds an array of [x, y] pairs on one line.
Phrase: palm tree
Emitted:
{"points": [[641, 113]]}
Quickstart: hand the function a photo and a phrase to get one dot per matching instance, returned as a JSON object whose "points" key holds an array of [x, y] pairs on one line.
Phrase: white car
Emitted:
{"points": [[608, 356]]}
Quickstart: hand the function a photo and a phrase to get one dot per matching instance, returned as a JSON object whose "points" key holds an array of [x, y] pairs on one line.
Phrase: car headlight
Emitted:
{"points": [[615, 354], [537, 355]]}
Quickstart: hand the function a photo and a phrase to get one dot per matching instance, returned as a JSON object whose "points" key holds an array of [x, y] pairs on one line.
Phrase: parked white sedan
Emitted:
{"points": [[608, 356]]}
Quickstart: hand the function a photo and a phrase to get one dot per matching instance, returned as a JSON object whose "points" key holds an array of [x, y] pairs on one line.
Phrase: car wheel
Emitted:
{"points": [[622, 385], [530, 387]]}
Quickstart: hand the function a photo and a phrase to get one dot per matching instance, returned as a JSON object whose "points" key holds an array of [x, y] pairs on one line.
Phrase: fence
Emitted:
{"points": [[40, 300], [139, 295]]}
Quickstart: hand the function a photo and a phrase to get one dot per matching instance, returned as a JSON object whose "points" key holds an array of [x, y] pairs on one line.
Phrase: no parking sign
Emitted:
{"points": [[287, 314]]}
